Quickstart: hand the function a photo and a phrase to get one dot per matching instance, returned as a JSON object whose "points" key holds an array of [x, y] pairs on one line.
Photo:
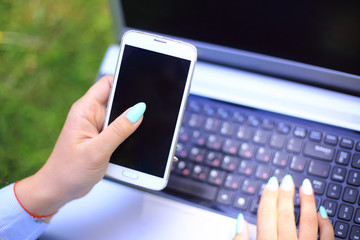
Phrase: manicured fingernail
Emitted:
{"points": [[323, 212], [136, 112], [287, 183], [240, 223], [306, 187], [273, 184]]}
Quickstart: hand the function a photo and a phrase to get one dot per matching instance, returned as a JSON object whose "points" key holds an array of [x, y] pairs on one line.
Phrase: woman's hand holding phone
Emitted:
{"points": [[82, 152], [158, 71]]}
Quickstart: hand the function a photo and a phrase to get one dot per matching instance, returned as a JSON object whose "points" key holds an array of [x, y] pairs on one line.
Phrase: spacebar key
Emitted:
{"points": [[191, 187]]}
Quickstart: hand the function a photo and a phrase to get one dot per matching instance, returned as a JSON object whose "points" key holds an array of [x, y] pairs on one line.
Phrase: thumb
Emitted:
{"points": [[121, 128]]}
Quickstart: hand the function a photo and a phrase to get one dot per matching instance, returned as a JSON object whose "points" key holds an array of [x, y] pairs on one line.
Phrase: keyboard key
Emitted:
{"points": [[343, 157], [222, 113], [246, 150], [318, 186], [200, 172], [283, 128], [355, 162], [357, 146], [277, 141], [249, 186], [184, 134], [319, 151], [214, 142], [319, 169], [198, 138], [263, 155], [350, 195], [238, 117], [253, 121], [261, 189], [357, 216], [194, 106], [260, 137], [196, 120], [244, 133], [300, 132], [229, 163], [227, 129], [297, 163], [224, 197], [294, 145], [341, 229], [197, 154], [298, 179], [338, 174], [297, 200], [182, 151], [193, 188], [254, 205], [354, 178], [209, 110], [331, 139], [315, 135], [347, 143], [345, 212], [267, 124], [216, 177], [263, 172], [241, 202], [231, 146], [212, 124], [330, 207], [355, 233], [183, 168], [232, 181], [246, 167], [213, 159], [280, 159], [334, 191]]}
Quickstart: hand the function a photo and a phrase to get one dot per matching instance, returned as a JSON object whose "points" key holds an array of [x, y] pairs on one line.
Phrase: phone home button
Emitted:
{"points": [[130, 174]]}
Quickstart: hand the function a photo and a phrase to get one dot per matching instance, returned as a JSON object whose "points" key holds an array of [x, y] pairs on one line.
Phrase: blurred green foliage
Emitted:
{"points": [[50, 52]]}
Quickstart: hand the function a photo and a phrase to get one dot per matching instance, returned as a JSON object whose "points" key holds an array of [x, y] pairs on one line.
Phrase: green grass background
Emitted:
{"points": [[50, 52]]}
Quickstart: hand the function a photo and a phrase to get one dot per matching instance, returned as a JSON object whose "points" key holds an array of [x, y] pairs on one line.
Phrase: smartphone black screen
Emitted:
{"points": [[158, 80]]}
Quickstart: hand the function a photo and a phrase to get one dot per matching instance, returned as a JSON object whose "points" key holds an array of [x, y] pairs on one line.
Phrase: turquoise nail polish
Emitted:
{"points": [[287, 183], [239, 223], [273, 184], [323, 212], [136, 112]]}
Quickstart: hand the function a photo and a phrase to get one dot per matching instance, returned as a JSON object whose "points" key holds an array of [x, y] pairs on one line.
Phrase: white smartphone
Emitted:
{"points": [[158, 71]]}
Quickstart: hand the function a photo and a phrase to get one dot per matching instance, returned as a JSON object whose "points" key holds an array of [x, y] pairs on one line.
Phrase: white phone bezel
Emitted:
{"points": [[166, 46]]}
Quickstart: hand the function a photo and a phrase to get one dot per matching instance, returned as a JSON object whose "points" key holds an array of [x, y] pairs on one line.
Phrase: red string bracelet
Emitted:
{"points": [[36, 217]]}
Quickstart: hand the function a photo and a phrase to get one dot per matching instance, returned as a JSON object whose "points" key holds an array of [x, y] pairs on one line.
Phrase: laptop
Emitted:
{"points": [[276, 90]]}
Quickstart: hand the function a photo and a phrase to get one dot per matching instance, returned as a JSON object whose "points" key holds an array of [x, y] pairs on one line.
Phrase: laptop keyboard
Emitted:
{"points": [[228, 152]]}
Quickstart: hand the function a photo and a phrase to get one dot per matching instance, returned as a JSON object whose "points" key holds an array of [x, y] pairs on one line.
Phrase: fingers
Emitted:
{"points": [[285, 210], [121, 128], [242, 229], [100, 91], [267, 211], [308, 227], [325, 226]]}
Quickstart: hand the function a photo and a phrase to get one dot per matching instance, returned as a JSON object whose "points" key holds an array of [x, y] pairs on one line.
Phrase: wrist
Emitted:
{"points": [[36, 198]]}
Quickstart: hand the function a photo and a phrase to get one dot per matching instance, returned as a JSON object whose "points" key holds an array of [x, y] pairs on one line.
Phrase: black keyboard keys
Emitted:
{"points": [[350, 195], [345, 212], [318, 151], [319, 169], [341, 229], [334, 191]]}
